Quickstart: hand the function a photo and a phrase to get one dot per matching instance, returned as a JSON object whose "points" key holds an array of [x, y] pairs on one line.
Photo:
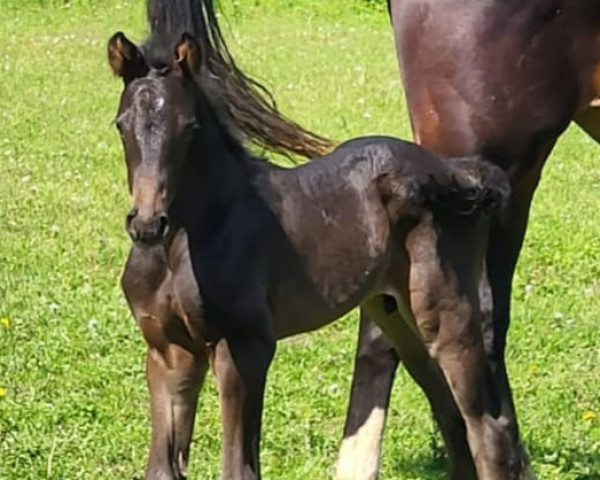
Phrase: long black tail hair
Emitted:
{"points": [[251, 105]]}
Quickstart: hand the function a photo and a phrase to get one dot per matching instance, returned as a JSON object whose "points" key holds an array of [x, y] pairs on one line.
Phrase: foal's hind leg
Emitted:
{"points": [[241, 366], [428, 375], [443, 297], [375, 367]]}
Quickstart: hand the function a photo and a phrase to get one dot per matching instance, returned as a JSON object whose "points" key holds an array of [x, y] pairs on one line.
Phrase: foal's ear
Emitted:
{"points": [[125, 58], [187, 55]]}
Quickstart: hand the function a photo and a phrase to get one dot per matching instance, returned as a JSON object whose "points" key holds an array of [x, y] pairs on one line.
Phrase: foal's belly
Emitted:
{"points": [[315, 283], [298, 306]]}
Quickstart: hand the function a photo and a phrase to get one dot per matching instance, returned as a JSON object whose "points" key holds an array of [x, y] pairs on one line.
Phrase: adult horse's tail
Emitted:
{"points": [[252, 107]]}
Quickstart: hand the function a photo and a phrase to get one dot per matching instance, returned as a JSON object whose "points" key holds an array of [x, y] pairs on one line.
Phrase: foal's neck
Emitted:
{"points": [[215, 177]]}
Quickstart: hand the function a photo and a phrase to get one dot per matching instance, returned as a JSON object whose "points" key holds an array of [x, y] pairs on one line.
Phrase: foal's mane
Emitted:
{"points": [[250, 105]]}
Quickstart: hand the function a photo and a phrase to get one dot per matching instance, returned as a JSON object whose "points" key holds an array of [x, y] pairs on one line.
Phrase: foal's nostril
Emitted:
{"points": [[163, 225], [130, 216], [146, 230]]}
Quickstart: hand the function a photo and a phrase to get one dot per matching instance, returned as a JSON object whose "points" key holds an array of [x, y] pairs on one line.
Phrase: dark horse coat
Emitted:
{"points": [[232, 253]]}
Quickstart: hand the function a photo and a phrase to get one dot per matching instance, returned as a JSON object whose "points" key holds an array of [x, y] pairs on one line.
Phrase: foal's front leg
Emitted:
{"points": [[176, 363], [175, 376], [241, 365]]}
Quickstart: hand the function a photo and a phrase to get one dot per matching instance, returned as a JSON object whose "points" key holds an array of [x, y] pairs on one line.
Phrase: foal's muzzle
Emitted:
{"points": [[147, 230]]}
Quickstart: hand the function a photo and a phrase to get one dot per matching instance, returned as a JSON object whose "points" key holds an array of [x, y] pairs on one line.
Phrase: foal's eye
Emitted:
{"points": [[191, 125]]}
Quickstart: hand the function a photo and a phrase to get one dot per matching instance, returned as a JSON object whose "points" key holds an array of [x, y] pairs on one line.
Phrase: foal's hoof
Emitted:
{"points": [[527, 472]]}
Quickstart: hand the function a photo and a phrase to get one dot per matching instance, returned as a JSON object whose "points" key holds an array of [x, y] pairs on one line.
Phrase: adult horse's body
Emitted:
{"points": [[232, 253], [502, 78]]}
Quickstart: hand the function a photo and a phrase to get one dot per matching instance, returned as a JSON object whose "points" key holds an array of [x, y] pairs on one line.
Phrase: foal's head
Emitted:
{"points": [[156, 120]]}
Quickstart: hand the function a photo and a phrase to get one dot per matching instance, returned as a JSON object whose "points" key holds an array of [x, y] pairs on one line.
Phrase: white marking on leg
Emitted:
{"points": [[359, 454]]}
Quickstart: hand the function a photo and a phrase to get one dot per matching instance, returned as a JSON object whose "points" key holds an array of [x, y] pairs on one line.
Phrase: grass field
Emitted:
{"points": [[73, 401]]}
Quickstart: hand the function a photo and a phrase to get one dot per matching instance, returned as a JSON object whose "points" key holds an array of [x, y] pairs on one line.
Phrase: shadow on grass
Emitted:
{"points": [[579, 463], [421, 467], [430, 464], [575, 461]]}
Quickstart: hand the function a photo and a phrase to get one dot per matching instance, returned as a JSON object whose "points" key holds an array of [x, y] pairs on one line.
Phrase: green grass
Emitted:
{"points": [[74, 401]]}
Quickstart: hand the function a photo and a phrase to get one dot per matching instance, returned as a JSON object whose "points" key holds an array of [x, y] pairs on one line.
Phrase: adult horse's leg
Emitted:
{"points": [[175, 376], [374, 369], [241, 366], [505, 242]]}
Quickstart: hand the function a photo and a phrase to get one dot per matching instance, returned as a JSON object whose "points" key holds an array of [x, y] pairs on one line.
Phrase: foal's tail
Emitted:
{"points": [[468, 186], [251, 105]]}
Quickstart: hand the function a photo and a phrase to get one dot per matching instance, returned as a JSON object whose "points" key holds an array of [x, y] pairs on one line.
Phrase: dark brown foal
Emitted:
{"points": [[232, 253], [503, 79]]}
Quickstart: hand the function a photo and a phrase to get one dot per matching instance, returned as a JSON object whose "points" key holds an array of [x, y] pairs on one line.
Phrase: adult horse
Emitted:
{"points": [[232, 253], [502, 78]]}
